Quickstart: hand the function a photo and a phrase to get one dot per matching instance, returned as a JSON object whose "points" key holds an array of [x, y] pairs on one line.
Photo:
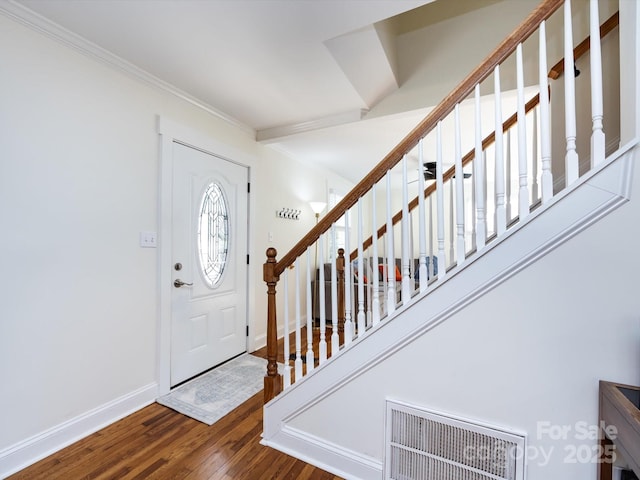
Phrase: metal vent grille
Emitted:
{"points": [[423, 445]]}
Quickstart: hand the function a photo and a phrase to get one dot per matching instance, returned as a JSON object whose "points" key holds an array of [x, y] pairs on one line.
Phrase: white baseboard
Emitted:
{"points": [[325, 455], [24, 453]]}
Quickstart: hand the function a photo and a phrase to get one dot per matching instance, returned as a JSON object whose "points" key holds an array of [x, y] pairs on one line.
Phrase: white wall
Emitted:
{"points": [[434, 58], [285, 183], [79, 156], [531, 350]]}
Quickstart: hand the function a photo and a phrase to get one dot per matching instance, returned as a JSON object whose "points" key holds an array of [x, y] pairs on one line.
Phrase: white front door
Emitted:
{"points": [[209, 261]]}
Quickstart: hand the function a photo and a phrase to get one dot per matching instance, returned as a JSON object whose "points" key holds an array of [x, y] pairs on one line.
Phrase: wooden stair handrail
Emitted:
{"points": [[542, 12], [584, 46]]}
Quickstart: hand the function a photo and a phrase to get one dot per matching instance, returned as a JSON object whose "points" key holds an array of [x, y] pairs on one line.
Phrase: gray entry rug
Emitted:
{"points": [[212, 395]]}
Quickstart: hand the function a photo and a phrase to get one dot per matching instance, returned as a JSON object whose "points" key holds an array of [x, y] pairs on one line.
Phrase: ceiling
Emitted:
{"points": [[303, 76]]}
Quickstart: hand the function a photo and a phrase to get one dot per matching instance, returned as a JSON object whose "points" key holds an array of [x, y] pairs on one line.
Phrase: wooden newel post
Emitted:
{"points": [[340, 273], [272, 380]]}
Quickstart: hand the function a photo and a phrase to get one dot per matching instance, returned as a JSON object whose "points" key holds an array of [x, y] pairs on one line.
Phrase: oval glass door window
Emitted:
{"points": [[213, 234]]}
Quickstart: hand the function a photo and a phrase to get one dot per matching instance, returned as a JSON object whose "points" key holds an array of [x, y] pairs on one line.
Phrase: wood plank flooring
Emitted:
{"points": [[159, 443]]}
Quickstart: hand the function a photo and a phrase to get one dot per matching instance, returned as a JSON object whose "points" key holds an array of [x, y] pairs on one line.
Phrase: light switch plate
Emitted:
{"points": [[148, 239]]}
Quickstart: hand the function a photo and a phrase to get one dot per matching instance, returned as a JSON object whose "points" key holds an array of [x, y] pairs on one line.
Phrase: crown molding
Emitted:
{"points": [[40, 24], [274, 134]]}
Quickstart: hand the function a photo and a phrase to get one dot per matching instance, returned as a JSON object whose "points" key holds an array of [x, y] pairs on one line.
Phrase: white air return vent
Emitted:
{"points": [[425, 445]]}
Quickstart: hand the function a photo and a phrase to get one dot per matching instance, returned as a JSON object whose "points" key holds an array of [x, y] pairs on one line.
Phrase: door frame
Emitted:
{"points": [[170, 132]]}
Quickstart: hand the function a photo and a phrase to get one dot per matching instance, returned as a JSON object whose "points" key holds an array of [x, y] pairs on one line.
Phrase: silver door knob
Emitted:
{"points": [[179, 283]]}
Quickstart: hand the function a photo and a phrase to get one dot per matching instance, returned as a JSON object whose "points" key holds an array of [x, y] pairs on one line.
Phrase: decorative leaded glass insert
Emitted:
{"points": [[213, 234]]}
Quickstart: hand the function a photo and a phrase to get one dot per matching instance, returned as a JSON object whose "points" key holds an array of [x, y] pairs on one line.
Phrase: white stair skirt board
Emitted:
{"points": [[591, 197], [37, 447]]}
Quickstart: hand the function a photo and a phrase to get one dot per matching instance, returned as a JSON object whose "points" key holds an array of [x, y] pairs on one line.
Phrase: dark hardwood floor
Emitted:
{"points": [[159, 443]]}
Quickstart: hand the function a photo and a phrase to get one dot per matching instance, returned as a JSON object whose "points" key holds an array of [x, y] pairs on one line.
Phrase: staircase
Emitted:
{"points": [[478, 336]]}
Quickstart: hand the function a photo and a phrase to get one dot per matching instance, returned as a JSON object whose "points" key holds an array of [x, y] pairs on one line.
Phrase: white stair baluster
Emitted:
{"points": [[310, 354], [335, 338], [571, 157], [534, 154], [405, 245], [375, 304], [500, 213], [442, 260], [298, 313], [422, 242], [472, 210], [368, 314], [508, 177], [348, 323], [479, 169], [459, 184], [383, 279], [334, 276], [523, 187], [369, 291], [391, 264], [546, 179], [412, 264], [298, 361], [431, 263], [452, 233], [597, 134], [286, 373], [361, 274], [485, 189], [322, 347], [348, 283]]}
